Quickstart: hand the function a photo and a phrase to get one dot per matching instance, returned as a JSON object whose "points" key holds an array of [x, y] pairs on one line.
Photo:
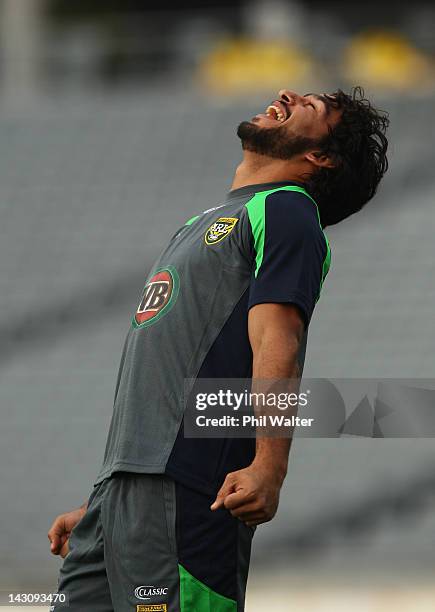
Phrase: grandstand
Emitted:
{"points": [[92, 183]]}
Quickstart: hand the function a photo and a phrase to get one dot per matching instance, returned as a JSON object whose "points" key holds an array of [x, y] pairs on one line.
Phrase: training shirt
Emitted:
{"points": [[263, 243]]}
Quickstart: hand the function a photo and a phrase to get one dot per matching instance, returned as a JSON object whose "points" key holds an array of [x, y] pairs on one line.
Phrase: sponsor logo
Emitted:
{"points": [[146, 592], [158, 297], [213, 208], [152, 608], [219, 230]]}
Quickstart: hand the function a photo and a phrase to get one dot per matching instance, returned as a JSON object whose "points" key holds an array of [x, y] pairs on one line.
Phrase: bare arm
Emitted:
{"points": [[275, 333], [252, 494]]}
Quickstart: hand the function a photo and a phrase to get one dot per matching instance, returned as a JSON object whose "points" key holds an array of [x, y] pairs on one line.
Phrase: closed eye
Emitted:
{"points": [[309, 102]]}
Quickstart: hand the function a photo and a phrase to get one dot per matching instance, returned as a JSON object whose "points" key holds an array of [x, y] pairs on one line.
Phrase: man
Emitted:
{"points": [[169, 523]]}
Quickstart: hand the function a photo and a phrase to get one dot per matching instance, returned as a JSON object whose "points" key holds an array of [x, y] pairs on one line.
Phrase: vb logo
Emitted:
{"points": [[158, 297]]}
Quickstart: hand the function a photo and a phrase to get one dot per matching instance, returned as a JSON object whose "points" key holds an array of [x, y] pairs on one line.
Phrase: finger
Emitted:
{"points": [[239, 498], [55, 534], [219, 501], [55, 545], [245, 510], [57, 527], [255, 518], [54, 538], [255, 521], [64, 538], [225, 490]]}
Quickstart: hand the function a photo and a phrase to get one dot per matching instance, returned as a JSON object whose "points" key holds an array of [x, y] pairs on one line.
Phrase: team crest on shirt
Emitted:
{"points": [[219, 230], [152, 608], [159, 295]]}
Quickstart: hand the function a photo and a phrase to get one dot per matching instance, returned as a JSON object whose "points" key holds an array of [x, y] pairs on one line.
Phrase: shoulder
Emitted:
{"points": [[293, 213], [292, 207]]}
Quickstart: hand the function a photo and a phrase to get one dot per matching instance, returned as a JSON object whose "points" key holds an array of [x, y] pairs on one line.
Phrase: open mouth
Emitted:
{"points": [[278, 111]]}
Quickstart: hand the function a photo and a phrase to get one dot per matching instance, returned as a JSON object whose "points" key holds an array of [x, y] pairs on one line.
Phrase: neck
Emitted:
{"points": [[257, 169]]}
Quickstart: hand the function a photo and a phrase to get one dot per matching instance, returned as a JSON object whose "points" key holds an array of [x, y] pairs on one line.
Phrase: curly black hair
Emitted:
{"points": [[358, 146]]}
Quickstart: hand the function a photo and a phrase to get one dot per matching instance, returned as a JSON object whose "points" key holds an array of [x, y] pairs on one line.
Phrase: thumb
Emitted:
{"points": [[65, 549], [226, 489]]}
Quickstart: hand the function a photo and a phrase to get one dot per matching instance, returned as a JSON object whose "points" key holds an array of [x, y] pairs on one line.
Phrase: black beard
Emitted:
{"points": [[273, 142]]}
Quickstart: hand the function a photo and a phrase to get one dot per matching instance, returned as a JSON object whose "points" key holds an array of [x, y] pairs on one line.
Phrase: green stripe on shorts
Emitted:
{"points": [[195, 595]]}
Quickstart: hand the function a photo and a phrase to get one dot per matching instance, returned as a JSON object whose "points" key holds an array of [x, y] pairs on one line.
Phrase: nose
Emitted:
{"points": [[290, 97]]}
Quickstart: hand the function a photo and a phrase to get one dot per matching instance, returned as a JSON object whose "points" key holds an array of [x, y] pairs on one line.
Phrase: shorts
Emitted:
{"points": [[149, 544]]}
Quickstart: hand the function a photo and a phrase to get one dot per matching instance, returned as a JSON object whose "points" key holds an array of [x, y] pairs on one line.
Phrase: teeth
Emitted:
{"points": [[275, 112], [271, 111]]}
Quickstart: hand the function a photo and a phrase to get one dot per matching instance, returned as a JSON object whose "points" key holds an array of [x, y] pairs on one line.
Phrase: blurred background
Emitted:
{"points": [[117, 124]]}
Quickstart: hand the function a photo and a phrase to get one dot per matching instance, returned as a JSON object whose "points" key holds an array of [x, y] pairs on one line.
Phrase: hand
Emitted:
{"points": [[251, 494], [61, 528]]}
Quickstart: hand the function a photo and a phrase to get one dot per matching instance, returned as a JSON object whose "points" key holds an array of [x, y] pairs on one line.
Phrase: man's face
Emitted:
{"points": [[291, 125]]}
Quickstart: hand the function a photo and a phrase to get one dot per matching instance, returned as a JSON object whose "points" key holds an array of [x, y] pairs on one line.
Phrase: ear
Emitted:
{"points": [[320, 160]]}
